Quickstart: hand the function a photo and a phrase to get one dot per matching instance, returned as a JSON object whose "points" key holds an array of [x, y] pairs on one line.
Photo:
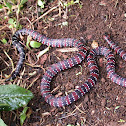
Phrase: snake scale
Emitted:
{"points": [[68, 63]]}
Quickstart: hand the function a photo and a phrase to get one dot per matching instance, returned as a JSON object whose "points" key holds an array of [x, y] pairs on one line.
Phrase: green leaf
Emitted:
{"points": [[2, 123], [23, 115], [18, 26], [121, 120], [28, 41], [41, 3], [11, 21], [9, 5], [1, 6], [35, 44], [12, 97], [23, 2], [5, 17], [108, 108], [117, 107], [65, 23], [4, 41], [80, 5], [70, 125], [10, 26]]}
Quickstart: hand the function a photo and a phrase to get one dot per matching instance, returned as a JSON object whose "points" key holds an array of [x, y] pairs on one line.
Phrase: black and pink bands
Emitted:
{"points": [[68, 63]]}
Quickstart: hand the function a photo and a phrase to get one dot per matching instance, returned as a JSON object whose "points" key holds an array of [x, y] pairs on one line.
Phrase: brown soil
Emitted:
{"points": [[105, 104]]}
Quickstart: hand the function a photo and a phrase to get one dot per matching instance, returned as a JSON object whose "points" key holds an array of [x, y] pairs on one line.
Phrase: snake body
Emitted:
{"points": [[68, 63]]}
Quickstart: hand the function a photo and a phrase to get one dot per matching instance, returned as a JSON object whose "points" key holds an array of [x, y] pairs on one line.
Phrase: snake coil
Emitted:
{"points": [[68, 63]]}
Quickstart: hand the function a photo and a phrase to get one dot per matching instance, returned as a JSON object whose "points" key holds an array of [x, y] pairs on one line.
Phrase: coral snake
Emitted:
{"points": [[68, 63]]}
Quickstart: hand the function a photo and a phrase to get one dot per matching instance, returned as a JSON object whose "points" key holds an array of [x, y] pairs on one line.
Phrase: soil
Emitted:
{"points": [[105, 103]]}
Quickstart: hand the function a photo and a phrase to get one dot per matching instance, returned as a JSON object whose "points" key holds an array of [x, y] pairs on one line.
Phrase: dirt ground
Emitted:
{"points": [[105, 103]]}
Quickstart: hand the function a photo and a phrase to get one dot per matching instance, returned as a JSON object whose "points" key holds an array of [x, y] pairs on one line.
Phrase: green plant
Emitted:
{"points": [[72, 2], [11, 5], [13, 24], [117, 107], [13, 97], [20, 4], [4, 41], [41, 3], [2, 123], [70, 125], [121, 120], [23, 115], [33, 44]]}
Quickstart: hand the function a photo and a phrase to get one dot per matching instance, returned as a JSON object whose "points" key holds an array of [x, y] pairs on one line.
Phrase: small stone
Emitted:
{"points": [[125, 15], [103, 80], [92, 112]]}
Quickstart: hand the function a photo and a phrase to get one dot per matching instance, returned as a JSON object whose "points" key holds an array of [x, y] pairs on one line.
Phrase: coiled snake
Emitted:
{"points": [[68, 63]]}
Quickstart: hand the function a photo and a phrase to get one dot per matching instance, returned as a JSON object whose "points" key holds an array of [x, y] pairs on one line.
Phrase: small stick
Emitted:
{"points": [[10, 60], [53, 8]]}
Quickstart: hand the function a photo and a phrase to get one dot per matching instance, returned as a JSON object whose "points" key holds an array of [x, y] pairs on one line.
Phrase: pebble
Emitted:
{"points": [[103, 80], [92, 112]]}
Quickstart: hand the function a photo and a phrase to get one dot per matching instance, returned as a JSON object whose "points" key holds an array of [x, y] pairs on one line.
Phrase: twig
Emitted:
{"points": [[33, 81], [67, 50], [27, 20], [117, 1], [9, 59], [4, 61], [39, 66], [53, 8], [72, 114], [3, 27], [21, 75], [77, 108]]}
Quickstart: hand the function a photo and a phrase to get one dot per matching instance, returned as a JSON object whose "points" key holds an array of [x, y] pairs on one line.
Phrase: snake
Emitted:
{"points": [[82, 54]]}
